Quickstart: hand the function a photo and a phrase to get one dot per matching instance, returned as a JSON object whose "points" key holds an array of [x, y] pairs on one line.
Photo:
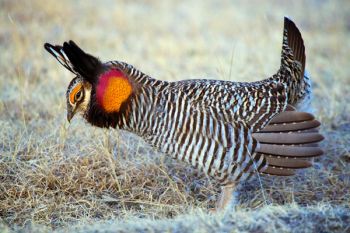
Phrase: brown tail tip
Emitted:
{"points": [[292, 37]]}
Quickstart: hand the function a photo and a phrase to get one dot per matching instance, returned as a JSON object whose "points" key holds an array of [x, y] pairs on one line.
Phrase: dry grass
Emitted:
{"points": [[53, 175]]}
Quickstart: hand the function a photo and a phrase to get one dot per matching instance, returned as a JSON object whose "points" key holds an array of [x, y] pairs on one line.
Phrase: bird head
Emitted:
{"points": [[101, 88], [78, 97]]}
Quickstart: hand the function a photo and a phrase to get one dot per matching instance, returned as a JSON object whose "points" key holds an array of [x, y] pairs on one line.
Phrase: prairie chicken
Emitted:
{"points": [[229, 130]]}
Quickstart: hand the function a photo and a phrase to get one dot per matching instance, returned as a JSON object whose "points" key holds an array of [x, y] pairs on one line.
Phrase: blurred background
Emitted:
{"points": [[169, 40]]}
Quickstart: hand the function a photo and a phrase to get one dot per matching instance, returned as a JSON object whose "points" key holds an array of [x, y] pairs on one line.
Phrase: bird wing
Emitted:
{"points": [[223, 150], [230, 150], [253, 103], [288, 141]]}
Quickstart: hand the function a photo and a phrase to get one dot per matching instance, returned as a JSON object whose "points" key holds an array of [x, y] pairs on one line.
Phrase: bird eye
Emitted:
{"points": [[78, 96]]}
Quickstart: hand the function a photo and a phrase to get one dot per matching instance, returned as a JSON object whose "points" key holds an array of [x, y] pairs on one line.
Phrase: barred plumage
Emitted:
{"points": [[228, 130]]}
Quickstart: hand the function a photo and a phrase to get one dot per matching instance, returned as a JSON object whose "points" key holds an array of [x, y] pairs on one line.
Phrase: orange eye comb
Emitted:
{"points": [[73, 92], [112, 90]]}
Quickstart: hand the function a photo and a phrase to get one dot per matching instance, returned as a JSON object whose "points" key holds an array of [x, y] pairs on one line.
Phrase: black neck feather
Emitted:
{"points": [[96, 116]]}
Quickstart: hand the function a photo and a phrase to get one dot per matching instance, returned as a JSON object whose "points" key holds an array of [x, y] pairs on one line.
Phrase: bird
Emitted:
{"points": [[228, 130]]}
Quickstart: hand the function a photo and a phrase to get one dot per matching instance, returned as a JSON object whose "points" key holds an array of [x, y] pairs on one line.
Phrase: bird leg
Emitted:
{"points": [[226, 196]]}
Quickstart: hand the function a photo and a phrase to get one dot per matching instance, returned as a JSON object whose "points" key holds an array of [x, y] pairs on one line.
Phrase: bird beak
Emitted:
{"points": [[70, 115]]}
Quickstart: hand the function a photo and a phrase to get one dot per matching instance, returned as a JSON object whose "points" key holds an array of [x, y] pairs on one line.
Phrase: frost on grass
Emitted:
{"points": [[59, 176]]}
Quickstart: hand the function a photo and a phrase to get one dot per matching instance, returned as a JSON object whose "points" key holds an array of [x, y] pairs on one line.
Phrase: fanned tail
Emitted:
{"points": [[288, 141], [293, 44], [292, 70]]}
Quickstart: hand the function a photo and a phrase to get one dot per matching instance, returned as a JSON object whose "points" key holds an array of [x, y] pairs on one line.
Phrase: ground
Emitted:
{"points": [[56, 176]]}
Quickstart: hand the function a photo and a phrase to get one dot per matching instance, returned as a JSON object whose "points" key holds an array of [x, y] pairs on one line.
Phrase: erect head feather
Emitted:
{"points": [[76, 60]]}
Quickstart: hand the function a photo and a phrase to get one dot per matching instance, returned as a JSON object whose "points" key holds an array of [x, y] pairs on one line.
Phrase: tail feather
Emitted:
{"points": [[292, 40], [292, 71], [288, 141]]}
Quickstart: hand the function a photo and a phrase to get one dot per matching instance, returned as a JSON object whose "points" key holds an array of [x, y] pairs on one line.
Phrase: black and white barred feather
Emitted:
{"points": [[229, 130]]}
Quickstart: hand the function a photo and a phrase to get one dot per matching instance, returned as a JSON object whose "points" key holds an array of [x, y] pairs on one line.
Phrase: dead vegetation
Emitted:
{"points": [[58, 190], [55, 176]]}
